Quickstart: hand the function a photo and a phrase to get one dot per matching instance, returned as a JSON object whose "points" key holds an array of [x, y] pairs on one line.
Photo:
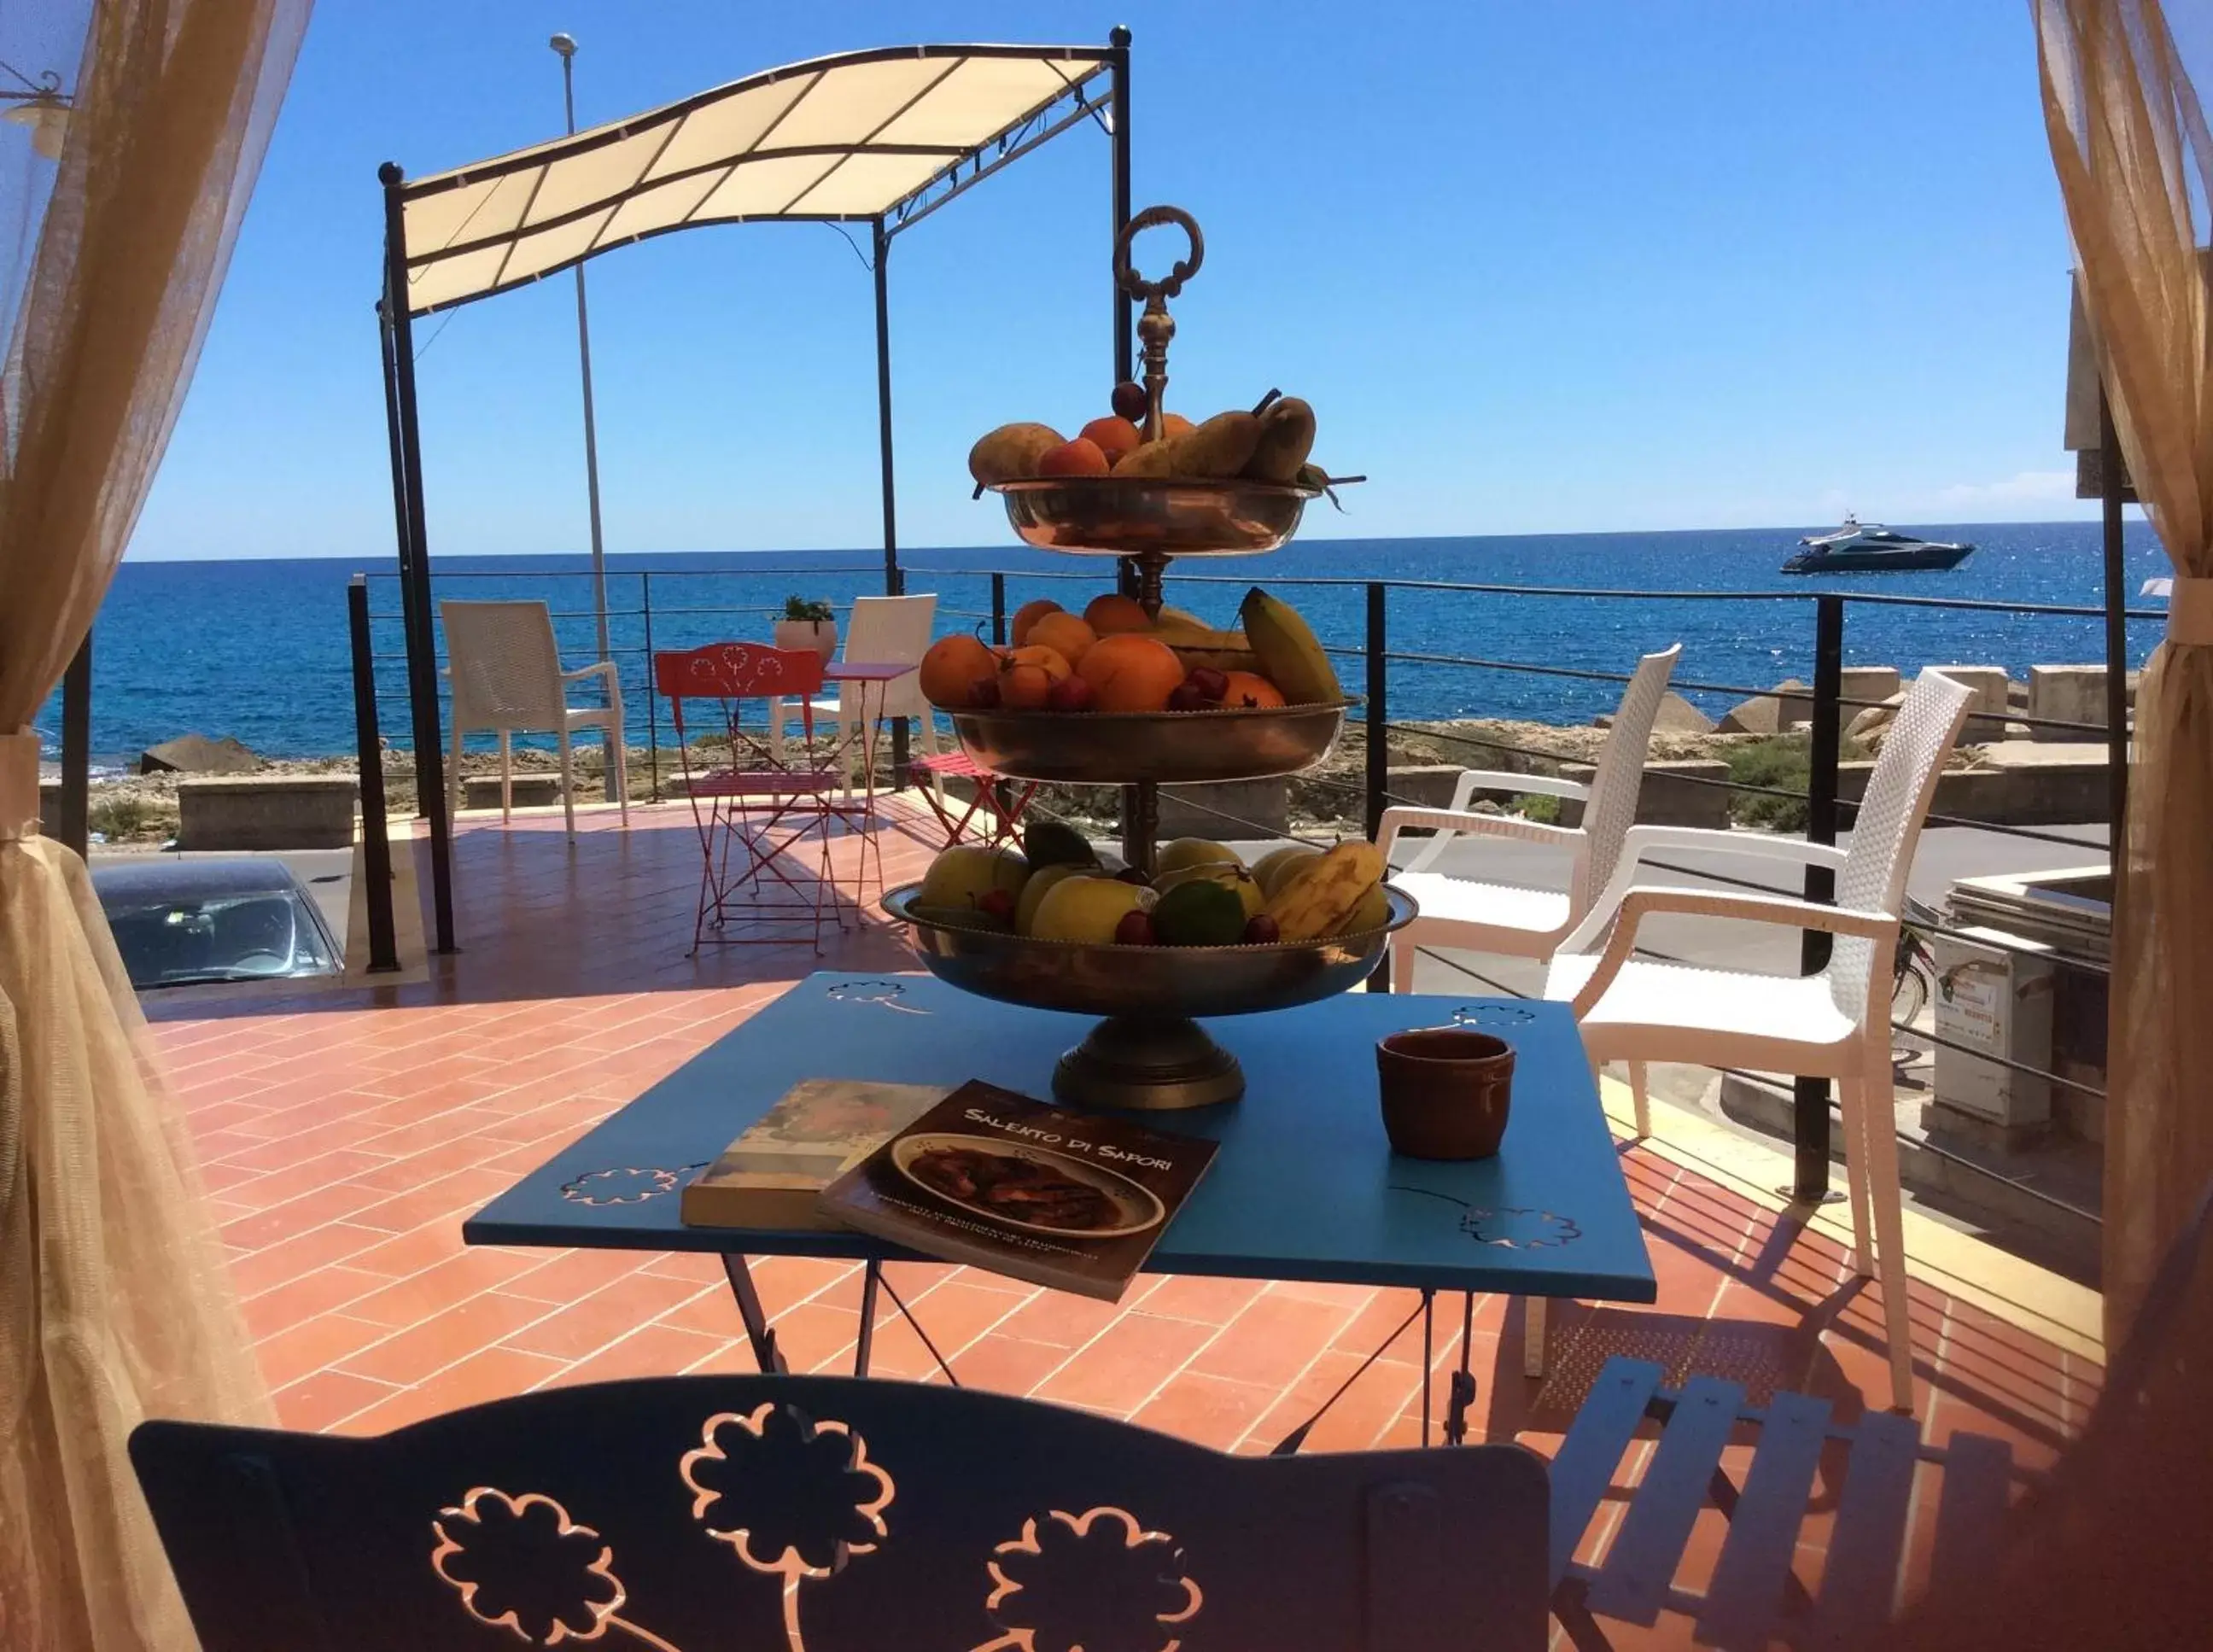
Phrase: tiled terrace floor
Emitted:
{"points": [[345, 1133]]}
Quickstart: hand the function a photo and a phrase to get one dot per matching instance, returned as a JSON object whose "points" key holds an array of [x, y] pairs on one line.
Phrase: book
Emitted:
{"points": [[771, 1176], [1048, 1194]]}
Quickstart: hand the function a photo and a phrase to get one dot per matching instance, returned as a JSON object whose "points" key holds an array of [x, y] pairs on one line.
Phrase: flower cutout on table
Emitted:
{"points": [[887, 993], [795, 1499], [522, 1564], [1090, 1583], [629, 1185], [1509, 1228], [1492, 1015]]}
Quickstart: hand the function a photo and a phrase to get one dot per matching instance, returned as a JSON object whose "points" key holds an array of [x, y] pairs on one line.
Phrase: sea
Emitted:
{"points": [[258, 650]]}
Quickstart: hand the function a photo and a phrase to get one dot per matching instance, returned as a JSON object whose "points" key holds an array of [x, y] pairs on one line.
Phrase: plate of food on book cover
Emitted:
{"points": [[1030, 1189]]}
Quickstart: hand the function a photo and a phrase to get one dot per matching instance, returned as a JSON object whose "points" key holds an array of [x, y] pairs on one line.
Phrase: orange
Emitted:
{"points": [[1028, 615], [1110, 613], [1248, 688], [1081, 457], [1112, 436], [1065, 634], [1028, 676], [1131, 673], [953, 667]]}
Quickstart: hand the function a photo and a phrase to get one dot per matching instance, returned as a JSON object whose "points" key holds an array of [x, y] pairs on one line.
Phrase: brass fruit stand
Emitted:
{"points": [[1149, 1052]]}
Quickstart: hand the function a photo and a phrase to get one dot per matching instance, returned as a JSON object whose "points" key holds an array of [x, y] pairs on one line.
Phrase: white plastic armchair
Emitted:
{"points": [[1832, 1024], [883, 630], [1515, 919], [507, 679]]}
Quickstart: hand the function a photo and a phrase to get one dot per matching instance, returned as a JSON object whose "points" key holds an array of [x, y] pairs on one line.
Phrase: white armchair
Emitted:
{"points": [[507, 679], [1832, 1024], [1525, 922]]}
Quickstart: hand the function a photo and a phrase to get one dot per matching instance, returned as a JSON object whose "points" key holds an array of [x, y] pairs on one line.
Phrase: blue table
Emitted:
{"points": [[1305, 1187]]}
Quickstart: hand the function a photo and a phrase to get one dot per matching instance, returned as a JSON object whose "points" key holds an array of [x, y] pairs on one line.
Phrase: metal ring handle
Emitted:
{"points": [[1169, 286]]}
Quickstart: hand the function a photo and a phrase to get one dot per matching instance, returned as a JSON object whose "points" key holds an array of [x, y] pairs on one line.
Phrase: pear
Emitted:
{"points": [[1011, 453], [1286, 437]]}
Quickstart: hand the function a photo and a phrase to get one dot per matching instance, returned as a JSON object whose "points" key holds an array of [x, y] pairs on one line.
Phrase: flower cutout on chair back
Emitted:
{"points": [[790, 1494], [1090, 1583], [522, 1563]]}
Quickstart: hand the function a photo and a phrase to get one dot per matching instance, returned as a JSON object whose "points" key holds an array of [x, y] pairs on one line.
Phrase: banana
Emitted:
{"points": [[1290, 657], [1318, 897], [1373, 912], [1197, 644]]}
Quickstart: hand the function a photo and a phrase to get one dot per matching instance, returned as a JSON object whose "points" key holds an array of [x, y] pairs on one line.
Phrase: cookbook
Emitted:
{"points": [[772, 1174], [1048, 1194]]}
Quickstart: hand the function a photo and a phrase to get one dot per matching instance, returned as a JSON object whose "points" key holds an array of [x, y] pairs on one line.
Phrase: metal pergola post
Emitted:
{"points": [[1124, 321], [415, 570], [894, 582], [2111, 481]]}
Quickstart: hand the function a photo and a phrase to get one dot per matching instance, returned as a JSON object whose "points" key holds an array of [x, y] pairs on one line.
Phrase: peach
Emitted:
{"points": [[1110, 613], [1248, 688], [951, 668], [1081, 457], [1028, 615], [1131, 673], [1113, 436], [1065, 634], [1027, 678]]}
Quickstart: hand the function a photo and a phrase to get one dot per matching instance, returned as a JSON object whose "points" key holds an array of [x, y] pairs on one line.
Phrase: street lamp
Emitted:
{"points": [[565, 46], [42, 105]]}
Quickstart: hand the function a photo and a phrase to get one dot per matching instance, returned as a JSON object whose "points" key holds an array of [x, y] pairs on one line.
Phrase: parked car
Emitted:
{"points": [[184, 923]]}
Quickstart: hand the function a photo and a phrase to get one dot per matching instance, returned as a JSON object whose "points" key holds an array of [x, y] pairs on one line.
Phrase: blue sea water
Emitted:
{"points": [[257, 650]]}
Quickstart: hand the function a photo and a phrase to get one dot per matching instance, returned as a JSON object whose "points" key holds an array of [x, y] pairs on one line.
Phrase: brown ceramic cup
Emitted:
{"points": [[1445, 1090]]}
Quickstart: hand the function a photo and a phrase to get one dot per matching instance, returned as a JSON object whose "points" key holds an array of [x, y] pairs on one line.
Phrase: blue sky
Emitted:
{"points": [[1618, 265]]}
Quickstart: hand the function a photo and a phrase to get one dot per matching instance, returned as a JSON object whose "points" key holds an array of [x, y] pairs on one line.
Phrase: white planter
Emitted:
{"points": [[820, 635]]}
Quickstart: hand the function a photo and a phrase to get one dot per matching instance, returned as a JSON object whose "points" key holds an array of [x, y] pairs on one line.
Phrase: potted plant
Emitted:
{"points": [[808, 624]]}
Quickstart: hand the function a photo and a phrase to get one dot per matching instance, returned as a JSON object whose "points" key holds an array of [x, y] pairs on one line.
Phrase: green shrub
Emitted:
{"points": [[1539, 805], [1782, 761], [122, 818]]}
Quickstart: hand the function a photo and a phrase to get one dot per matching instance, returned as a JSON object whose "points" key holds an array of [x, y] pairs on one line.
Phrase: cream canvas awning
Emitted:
{"points": [[859, 136]]}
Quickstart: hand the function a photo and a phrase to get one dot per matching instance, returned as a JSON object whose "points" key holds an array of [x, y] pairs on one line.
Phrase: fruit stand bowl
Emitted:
{"points": [[1149, 1052], [1131, 748], [1154, 517]]}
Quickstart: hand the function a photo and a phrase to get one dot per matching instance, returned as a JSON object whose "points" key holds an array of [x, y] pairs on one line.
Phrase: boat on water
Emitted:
{"points": [[1860, 547]]}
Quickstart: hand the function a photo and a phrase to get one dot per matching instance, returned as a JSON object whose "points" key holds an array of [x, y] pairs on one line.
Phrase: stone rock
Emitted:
{"points": [[198, 754], [1869, 682], [1423, 785], [1762, 716], [1677, 716], [1868, 725]]}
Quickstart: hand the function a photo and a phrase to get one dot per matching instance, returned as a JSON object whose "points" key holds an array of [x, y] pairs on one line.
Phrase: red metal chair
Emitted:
{"points": [[763, 806], [1000, 801]]}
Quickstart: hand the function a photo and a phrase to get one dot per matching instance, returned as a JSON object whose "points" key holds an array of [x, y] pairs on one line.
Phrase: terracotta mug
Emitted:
{"points": [[1446, 1091]]}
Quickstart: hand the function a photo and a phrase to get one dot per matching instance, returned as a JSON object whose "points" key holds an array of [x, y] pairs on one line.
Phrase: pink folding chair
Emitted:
{"points": [[756, 815]]}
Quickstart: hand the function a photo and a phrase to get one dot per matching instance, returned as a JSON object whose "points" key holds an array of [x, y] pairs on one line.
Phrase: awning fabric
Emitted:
{"points": [[850, 136]]}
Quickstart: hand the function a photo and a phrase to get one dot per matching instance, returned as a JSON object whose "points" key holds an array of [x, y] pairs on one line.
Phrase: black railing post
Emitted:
{"points": [[652, 689], [1810, 1130], [74, 816], [2112, 480], [375, 844], [1378, 740], [999, 608]]}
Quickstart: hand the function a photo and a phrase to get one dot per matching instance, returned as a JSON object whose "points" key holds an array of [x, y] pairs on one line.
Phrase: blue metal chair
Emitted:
{"points": [[824, 1514]]}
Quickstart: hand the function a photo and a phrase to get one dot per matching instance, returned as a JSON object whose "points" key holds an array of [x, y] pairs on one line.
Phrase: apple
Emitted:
{"points": [[1135, 930], [997, 903], [1071, 693]]}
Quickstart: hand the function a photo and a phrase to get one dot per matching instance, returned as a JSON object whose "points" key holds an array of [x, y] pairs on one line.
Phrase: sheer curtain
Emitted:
{"points": [[2136, 167], [114, 1303]]}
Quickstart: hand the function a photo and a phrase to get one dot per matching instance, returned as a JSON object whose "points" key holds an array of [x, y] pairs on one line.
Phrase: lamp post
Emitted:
{"points": [[565, 46]]}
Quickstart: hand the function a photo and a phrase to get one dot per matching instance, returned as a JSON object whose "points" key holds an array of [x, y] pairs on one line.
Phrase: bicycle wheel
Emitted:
{"points": [[1909, 997]]}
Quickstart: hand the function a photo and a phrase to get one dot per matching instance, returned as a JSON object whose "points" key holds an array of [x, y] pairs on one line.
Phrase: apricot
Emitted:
{"points": [[1027, 678], [1081, 457], [1028, 615], [951, 668], [1113, 436], [1175, 424], [1248, 688], [1110, 613], [1065, 634], [1131, 673]]}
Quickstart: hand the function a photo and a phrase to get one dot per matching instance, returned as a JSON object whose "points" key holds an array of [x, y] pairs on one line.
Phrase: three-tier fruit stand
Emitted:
{"points": [[1150, 1051]]}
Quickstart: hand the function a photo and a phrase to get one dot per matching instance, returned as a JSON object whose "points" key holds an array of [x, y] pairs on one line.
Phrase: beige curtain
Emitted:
{"points": [[115, 1301], [2136, 167]]}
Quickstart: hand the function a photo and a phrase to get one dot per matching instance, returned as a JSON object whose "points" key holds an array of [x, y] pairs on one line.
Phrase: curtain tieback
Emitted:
{"points": [[19, 785], [2190, 612]]}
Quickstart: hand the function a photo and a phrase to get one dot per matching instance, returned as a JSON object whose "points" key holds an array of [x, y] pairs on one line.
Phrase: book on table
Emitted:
{"points": [[773, 1175], [1048, 1194]]}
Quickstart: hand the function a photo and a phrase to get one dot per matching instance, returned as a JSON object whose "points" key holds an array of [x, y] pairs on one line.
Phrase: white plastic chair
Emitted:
{"points": [[885, 631], [1512, 918], [1832, 1024], [507, 677]]}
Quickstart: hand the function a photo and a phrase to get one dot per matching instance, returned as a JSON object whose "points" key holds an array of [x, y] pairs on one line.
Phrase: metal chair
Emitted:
{"points": [[760, 804], [1514, 918], [1834, 1023], [710, 1513], [883, 630], [508, 679]]}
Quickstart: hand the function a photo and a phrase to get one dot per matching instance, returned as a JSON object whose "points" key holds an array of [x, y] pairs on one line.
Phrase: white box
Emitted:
{"points": [[1996, 999]]}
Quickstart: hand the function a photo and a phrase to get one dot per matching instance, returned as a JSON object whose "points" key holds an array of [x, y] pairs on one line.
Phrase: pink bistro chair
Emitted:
{"points": [[763, 807]]}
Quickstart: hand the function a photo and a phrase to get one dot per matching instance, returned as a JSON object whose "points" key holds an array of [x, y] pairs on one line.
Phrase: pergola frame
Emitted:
{"points": [[964, 168]]}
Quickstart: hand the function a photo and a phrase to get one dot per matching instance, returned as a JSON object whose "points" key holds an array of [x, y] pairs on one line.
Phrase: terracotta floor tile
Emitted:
{"points": [[1128, 1362], [428, 1346], [1202, 1301], [396, 1257], [1273, 1340], [580, 1329], [307, 1347], [287, 1258], [1377, 1398], [1006, 1365], [494, 1374], [569, 1276], [327, 1398], [1211, 1410], [442, 1285], [652, 1351], [1063, 1321], [298, 1300]]}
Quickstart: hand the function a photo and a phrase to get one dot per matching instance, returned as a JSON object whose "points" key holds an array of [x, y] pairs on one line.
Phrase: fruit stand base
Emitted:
{"points": [[1148, 1063]]}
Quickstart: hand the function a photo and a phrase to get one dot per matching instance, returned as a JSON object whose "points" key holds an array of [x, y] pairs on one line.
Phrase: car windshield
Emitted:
{"points": [[241, 937]]}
